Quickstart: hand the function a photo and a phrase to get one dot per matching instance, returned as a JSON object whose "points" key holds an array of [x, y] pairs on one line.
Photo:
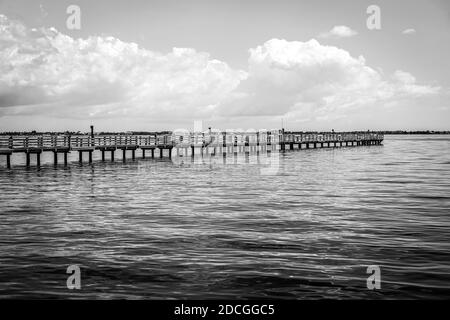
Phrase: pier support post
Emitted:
{"points": [[90, 156], [124, 155], [170, 153], [192, 150], [55, 158], [160, 152], [28, 158], [80, 156], [65, 158], [103, 155], [38, 159], [8, 161], [133, 154], [153, 153], [112, 155], [143, 153]]}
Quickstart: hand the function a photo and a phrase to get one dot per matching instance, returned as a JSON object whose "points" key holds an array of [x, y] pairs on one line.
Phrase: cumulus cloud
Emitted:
{"points": [[339, 32], [97, 77], [307, 79], [409, 31], [44, 72]]}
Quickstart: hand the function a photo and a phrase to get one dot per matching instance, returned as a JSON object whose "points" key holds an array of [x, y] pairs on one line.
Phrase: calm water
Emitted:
{"points": [[181, 229]]}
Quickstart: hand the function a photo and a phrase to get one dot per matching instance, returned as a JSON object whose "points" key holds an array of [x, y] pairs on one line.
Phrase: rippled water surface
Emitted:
{"points": [[209, 228]]}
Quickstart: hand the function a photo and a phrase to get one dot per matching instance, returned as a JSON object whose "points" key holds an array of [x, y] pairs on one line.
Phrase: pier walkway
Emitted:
{"points": [[185, 141]]}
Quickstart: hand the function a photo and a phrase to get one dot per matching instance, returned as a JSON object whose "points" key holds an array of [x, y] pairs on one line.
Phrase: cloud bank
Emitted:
{"points": [[307, 80], [49, 72], [44, 72]]}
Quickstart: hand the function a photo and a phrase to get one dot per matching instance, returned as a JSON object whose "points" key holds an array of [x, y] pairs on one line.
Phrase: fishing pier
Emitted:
{"points": [[184, 142]]}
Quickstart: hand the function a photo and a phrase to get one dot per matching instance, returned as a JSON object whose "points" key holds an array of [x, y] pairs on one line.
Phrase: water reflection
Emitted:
{"points": [[218, 227]]}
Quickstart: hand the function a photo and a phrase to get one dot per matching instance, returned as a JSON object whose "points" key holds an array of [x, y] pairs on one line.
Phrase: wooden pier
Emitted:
{"points": [[186, 142]]}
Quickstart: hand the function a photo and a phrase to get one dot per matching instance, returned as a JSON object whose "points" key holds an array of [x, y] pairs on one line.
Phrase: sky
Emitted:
{"points": [[161, 65]]}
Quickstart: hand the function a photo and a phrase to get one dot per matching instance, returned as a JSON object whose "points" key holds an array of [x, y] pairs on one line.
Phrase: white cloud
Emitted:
{"points": [[44, 72], [50, 72], [339, 32], [307, 79], [409, 31]]}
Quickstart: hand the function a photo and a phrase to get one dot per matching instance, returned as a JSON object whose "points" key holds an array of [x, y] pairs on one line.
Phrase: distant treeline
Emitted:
{"points": [[414, 132], [13, 133]]}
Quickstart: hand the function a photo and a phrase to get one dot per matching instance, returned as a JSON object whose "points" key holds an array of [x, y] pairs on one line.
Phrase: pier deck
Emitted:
{"points": [[220, 141]]}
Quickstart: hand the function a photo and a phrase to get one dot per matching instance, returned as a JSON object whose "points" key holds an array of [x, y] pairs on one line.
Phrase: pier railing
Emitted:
{"points": [[177, 139], [80, 141], [266, 140], [331, 137]]}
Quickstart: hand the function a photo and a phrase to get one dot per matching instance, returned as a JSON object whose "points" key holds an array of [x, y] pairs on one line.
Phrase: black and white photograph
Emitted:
{"points": [[212, 150]]}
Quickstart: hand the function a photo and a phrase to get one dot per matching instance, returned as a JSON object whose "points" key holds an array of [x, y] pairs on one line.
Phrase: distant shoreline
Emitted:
{"points": [[12, 133]]}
